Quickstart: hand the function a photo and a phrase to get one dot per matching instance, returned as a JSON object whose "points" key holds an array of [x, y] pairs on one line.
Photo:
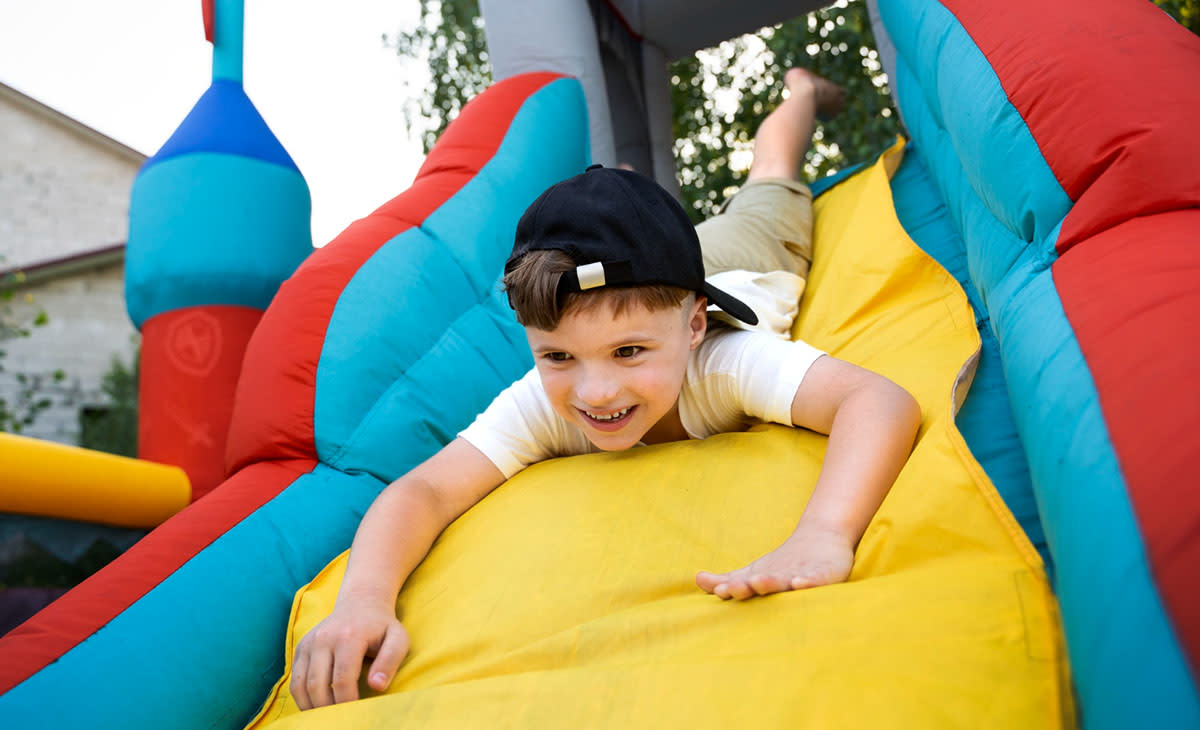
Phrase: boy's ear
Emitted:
{"points": [[698, 320]]}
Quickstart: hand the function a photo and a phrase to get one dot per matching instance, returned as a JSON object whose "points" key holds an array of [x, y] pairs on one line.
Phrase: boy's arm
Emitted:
{"points": [[392, 539], [871, 423]]}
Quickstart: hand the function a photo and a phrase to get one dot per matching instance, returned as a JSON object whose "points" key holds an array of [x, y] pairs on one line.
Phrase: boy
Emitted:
{"points": [[607, 277]]}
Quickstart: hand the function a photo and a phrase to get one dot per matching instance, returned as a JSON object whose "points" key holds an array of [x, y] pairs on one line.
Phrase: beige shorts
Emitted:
{"points": [[766, 226], [758, 248]]}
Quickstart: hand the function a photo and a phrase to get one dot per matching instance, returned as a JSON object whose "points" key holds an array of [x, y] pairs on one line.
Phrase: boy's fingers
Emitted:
{"points": [[317, 683], [389, 657], [347, 666], [299, 677]]}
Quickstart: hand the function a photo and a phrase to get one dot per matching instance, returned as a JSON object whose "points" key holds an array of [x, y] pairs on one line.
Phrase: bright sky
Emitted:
{"points": [[317, 71]]}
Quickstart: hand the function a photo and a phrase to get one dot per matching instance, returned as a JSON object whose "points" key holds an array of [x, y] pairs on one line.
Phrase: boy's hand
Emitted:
{"points": [[329, 659], [807, 559]]}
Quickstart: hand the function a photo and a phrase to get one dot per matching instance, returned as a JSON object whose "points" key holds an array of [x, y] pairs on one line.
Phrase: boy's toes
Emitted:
{"points": [[805, 581], [740, 590], [767, 584]]}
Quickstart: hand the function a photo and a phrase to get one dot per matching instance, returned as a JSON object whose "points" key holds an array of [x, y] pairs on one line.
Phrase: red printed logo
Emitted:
{"points": [[194, 343]]}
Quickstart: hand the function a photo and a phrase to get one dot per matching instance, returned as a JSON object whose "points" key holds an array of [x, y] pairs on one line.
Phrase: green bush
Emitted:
{"points": [[113, 427]]}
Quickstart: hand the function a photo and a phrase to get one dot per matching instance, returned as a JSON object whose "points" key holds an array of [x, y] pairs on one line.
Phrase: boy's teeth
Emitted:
{"points": [[609, 417]]}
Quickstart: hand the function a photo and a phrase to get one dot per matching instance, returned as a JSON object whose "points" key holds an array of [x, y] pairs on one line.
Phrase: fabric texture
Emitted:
{"points": [[765, 226], [619, 228], [284, 513], [759, 248], [734, 379], [1088, 272], [566, 598]]}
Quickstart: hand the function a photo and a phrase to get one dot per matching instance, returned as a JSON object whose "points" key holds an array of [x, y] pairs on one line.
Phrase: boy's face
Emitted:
{"points": [[616, 376]]}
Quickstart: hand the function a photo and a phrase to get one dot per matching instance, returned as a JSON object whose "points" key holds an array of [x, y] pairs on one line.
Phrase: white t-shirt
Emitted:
{"points": [[735, 378]]}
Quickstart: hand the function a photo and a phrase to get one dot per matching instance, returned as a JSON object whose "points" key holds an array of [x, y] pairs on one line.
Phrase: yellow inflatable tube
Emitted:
{"points": [[53, 480], [566, 598]]}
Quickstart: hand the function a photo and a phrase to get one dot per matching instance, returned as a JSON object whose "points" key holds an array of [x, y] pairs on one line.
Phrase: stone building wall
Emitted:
{"points": [[64, 194], [87, 327], [64, 188]]}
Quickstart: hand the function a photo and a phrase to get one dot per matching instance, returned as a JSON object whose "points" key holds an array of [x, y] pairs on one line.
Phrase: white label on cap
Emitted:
{"points": [[590, 275]]}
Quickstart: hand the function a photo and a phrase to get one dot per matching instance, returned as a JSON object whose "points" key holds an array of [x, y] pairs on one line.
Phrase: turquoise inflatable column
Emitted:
{"points": [[219, 217]]}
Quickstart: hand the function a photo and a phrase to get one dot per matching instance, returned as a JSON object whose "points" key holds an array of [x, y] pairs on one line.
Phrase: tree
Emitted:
{"points": [[713, 139], [1185, 12], [718, 95], [450, 34]]}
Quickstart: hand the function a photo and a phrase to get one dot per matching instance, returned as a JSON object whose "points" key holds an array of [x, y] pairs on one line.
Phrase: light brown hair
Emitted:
{"points": [[532, 287]]}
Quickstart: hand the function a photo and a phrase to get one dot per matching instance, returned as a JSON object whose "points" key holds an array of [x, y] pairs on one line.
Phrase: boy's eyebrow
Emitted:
{"points": [[633, 338]]}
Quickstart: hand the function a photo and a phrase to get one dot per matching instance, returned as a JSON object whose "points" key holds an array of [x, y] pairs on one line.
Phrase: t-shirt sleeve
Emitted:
{"points": [[775, 376], [519, 428], [756, 374]]}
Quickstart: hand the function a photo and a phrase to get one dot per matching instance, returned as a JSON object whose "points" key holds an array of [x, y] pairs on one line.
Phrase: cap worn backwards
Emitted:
{"points": [[621, 229]]}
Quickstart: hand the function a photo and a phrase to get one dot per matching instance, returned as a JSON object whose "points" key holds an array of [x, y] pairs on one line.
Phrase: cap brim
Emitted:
{"points": [[731, 305]]}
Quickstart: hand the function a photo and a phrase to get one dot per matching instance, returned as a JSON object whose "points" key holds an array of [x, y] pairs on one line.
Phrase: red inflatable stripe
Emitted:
{"points": [[1113, 110], [1109, 93], [1131, 295], [273, 414], [83, 611]]}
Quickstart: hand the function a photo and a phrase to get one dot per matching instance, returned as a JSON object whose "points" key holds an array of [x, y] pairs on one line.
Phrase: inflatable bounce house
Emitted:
{"points": [[219, 217], [1026, 264]]}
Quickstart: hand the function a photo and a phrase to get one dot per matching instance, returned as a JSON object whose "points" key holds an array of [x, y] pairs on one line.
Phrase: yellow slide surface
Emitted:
{"points": [[566, 599]]}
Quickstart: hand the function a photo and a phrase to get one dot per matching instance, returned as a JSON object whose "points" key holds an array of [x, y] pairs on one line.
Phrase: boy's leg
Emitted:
{"points": [[784, 136], [767, 225]]}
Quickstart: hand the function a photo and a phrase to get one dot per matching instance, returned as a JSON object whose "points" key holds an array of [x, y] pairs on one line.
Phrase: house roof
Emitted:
{"points": [[31, 272], [31, 104], [39, 271]]}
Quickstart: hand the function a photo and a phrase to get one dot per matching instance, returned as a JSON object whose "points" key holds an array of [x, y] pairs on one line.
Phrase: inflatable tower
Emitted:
{"points": [[219, 217]]}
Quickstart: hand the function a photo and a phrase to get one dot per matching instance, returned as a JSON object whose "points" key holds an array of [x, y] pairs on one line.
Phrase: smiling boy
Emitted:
{"points": [[608, 277]]}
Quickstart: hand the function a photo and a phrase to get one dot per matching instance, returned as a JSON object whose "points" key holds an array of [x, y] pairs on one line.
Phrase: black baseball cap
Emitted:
{"points": [[622, 229]]}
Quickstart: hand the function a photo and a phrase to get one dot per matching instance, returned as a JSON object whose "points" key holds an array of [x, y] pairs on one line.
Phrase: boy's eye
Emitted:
{"points": [[557, 356], [628, 351]]}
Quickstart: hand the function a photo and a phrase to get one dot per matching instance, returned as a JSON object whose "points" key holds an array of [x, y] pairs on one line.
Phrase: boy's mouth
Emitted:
{"points": [[608, 421]]}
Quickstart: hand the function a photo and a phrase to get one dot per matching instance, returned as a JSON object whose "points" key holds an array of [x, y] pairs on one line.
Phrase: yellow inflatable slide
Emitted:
{"points": [[566, 599]]}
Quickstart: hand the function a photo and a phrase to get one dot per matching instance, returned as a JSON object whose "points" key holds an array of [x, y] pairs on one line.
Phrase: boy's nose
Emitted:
{"points": [[598, 389]]}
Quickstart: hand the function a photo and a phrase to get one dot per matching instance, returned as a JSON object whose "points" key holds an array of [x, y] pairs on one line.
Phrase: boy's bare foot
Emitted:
{"points": [[828, 97]]}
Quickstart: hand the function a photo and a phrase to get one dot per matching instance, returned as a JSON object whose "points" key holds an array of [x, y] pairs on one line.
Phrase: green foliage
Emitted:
{"points": [[450, 35], [719, 96], [114, 427], [9, 326], [1186, 12], [18, 412]]}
